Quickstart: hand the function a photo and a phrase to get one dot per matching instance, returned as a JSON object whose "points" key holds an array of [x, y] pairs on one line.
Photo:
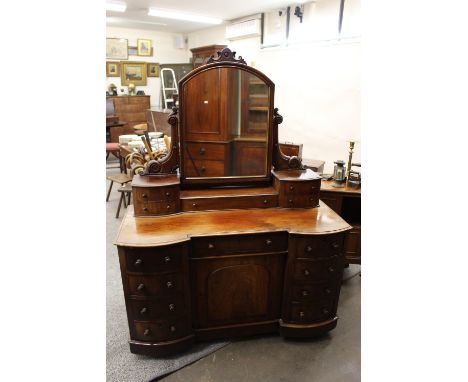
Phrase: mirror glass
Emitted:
{"points": [[225, 124]]}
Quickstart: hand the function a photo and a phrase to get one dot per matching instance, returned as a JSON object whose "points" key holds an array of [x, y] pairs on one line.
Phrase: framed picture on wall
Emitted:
{"points": [[112, 69], [133, 72], [117, 48], [144, 47], [153, 69]]}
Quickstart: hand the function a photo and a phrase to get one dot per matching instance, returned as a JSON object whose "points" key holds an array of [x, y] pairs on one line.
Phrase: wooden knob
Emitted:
{"points": [[268, 242], [335, 245], [331, 269], [167, 259], [325, 311], [308, 248], [168, 206], [194, 204], [171, 307], [140, 287], [291, 188], [138, 262], [265, 201], [172, 328], [169, 284], [305, 293], [203, 169], [144, 195], [143, 311], [290, 201], [145, 209], [210, 246], [306, 272], [327, 291], [168, 194], [301, 314], [147, 332], [202, 151]]}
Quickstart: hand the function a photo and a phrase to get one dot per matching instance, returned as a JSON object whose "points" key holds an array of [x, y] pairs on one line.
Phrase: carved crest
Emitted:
{"points": [[226, 55]]}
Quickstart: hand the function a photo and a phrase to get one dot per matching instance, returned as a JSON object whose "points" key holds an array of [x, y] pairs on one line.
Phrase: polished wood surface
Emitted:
{"points": [[161, 230], [132, 110]]}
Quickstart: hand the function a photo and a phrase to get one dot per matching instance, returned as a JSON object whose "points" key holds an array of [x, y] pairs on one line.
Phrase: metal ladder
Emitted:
{"points": [[172, 90]]}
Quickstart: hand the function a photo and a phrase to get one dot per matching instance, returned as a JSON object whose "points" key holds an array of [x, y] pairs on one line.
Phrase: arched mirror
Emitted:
{"points": [[225, 123]]}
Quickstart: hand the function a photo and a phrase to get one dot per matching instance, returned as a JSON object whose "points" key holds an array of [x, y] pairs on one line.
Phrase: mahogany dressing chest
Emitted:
{"points": [[227, 236]]}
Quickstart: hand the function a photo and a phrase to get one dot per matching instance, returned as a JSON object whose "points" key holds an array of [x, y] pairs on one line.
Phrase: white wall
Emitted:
{"points": [[317, 83], [164, 52]]}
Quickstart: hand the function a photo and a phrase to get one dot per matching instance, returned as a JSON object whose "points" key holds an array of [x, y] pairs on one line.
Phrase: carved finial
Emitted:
{"points": [[226, 55]]}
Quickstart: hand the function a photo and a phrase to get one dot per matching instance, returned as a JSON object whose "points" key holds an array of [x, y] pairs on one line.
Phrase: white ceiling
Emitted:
{"points": [[136, 15]]}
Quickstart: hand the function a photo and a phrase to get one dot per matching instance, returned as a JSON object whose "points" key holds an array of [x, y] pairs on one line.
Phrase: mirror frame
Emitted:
{"points": [[226, 59]]}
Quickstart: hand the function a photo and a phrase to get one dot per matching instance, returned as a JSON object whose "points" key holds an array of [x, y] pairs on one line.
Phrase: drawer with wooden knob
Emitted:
{"points": [[167, 307], [241, 202], [318, 271], [301, 188], [161, 330], [307, 313], [155, 286], [153, 260], [317, 246], [316, 292], [206, 150], [300, 201], [232, 244], [156, 208], [202, 167], [154, 194]]}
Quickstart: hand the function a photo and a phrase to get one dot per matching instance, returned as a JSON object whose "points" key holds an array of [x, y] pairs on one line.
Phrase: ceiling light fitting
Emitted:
{"points": [[116, 6], [183, 16]]}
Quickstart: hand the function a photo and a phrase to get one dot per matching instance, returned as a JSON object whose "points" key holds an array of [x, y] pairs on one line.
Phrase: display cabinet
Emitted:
{"points": [[227, 236]]}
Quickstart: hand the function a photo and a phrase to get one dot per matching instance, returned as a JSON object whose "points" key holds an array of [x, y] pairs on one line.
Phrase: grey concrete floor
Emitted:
{"points": [[335, 357]]}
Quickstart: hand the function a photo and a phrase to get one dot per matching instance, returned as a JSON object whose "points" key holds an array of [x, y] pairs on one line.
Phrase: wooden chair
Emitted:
{"points": [[125, 196], [114, 149], [118, 178]]}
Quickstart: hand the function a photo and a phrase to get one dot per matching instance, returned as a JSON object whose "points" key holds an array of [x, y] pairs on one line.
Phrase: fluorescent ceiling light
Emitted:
{"points": [[183, 16], [116, 6]]}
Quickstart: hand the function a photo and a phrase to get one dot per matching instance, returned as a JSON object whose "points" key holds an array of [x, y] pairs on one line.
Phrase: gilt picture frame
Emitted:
{"points": [[116, 48], [112, 69], [144, 47], [133, 73], [153, 69]]}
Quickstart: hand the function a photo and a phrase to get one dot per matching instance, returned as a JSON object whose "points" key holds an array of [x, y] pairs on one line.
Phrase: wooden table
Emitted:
{"points": [[346, 202]]}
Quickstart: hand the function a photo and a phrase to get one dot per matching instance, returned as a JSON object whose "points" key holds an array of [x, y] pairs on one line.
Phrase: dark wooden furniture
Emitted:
{"points": [[201, 54], [132, 110], [112, 120], [346, 202], [223, 253]]}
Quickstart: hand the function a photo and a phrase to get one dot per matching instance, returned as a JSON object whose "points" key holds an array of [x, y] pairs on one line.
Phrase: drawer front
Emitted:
{"points": [[161, 330], [201, 167], [301, 312], [300, 188], [300, 201], [318, 246], [332, 201], [161, 259], [144, 102], [207, 151], [155, 193], [315, 292], [168, 307], [201, 204], [318, 271], [219, 245], [155, 286], [156, 208]]}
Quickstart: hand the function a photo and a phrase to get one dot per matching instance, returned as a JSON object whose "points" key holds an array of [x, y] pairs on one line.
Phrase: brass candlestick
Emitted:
{"points": [[351, 147]]}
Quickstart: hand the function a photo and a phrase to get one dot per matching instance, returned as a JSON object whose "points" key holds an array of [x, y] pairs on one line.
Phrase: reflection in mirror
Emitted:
{"points": [[226, 124]]}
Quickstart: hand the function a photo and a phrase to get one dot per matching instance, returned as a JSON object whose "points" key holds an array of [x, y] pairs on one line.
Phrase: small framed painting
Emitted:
{"points": [[144, 47], [133, 73], [112, 69], [153, 69], [116, 48]]}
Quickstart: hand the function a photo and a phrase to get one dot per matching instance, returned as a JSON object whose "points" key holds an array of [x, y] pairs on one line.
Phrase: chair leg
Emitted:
{"points": [[129, 198], [124, 199], [118, 208], [108, 192]]}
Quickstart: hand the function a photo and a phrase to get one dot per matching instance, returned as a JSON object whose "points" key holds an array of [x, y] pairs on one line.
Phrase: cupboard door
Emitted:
{"points": [[236, 289]]}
